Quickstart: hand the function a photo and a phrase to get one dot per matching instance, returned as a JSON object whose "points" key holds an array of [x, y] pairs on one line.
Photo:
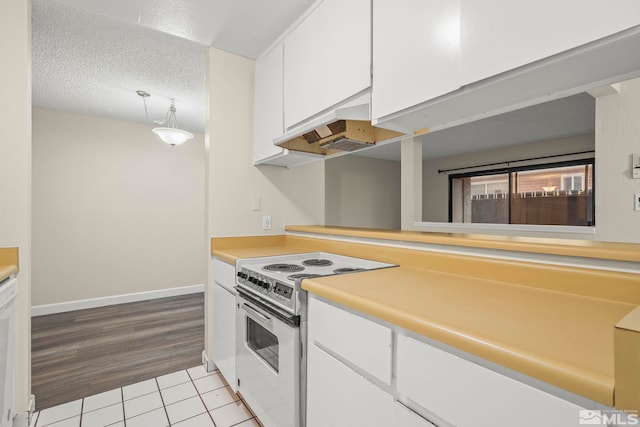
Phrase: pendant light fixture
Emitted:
{"points": [[169, 134]]}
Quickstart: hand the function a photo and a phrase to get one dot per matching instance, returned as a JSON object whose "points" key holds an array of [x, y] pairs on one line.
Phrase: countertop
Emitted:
{"points": [[8, 262], [7, 270], [567, 247], [560, 331], [563, 339]]}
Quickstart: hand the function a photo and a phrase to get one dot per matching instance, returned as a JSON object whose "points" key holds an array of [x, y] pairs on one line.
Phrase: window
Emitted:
{"points": [[549, 194]]}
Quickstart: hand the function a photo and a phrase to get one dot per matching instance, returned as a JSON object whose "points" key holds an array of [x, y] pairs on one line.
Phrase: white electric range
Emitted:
{"points": [[271, 329]]}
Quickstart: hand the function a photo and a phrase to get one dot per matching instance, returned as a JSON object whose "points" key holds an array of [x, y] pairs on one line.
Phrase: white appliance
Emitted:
{"points": [[271, 330], [8, 292]]}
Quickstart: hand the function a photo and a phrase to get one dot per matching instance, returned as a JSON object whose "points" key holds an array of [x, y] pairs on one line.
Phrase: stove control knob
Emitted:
{"points": [[253, 280], [260, 283], [266, 286]]}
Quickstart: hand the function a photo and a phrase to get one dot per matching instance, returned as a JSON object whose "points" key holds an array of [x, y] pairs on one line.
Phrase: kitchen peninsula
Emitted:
{"points": [[556, 328]]}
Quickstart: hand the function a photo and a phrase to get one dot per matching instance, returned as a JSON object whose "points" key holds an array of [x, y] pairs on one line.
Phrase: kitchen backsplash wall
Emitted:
{"points": [[289, 196], [115, 210]]}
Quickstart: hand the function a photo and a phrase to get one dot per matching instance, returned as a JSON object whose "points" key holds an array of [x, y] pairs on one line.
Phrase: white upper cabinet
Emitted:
{"points": [[416, 52], [499, 35], [327, 58], [268, 122], [442, 63]]}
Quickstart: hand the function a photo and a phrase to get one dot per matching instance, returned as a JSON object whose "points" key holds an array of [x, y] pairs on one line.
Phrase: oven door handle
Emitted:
{"points": [[262, 318]]}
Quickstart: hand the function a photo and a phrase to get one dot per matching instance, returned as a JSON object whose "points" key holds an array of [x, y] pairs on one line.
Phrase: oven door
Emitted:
{"points": [[268, 362]]}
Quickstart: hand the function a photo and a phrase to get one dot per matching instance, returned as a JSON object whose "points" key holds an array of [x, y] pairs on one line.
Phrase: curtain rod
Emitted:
{"points": [[508, 162]]}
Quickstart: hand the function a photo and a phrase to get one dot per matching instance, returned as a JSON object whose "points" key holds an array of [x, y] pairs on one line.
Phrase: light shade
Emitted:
{"points": [[173, 136]]}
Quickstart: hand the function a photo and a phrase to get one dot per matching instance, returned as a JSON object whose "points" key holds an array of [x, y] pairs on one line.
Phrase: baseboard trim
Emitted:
{"points": [[206, 363], [62, 307]]}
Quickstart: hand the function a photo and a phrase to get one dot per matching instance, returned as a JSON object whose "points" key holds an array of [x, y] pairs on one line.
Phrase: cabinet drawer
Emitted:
{"points": [[469, 395], [224, 274], [361, 342]]}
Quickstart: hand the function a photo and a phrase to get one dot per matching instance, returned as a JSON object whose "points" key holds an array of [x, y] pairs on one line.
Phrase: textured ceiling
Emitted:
{"points": [[574, 115], [90, 56], [244, 27]]}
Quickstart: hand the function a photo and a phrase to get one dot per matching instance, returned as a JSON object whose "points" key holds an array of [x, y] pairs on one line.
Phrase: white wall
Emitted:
{"points": [[362, 192], [617, 137], [15, 171], [115, 210], [435, 186]]}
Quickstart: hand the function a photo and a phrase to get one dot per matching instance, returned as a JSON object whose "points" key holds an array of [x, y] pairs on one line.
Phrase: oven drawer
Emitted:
{"points": [[357, 340]]}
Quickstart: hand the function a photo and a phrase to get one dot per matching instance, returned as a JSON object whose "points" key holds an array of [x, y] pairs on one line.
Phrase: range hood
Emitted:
{"points": [[342, 130], [336, 137]]}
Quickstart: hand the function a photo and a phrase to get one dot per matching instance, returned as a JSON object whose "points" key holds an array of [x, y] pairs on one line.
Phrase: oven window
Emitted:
{"points": [[263, 343]]}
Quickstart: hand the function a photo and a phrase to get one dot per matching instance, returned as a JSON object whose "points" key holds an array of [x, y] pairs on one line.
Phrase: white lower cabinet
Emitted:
{"points": [[363, 343], [224, 321], [468, 395], [339, 397], [350, 358]]}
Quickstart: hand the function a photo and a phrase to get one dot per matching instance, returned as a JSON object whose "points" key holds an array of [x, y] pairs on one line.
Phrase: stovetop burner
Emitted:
{"points": [[277, 280], [347, 270], [303, 276], [317, 262], [285, 268]]}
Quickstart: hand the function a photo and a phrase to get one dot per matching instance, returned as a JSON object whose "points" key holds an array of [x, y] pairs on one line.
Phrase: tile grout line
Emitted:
{"points": [[201, 399], [81, 409], [124, 416], [162, 399]]}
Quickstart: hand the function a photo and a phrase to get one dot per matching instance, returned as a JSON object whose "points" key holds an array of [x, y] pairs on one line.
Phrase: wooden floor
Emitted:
{"points": [[84, 352]]}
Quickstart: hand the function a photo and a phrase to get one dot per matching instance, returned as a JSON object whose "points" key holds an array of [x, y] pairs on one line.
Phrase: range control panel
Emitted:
{"points": [[267, 287]]}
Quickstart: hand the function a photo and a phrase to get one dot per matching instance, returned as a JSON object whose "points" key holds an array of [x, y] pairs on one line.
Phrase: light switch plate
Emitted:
{"points": [[635, 172], [256, 202], [636, 198]]}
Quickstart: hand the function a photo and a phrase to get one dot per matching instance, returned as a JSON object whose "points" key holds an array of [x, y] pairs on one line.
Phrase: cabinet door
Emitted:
{"points": [[344, 49], [416, 52], [224, 321], [403, 416], [302, 71], [339, 397], [499, 35], [327, 58], [468, 395], [268, 114]]}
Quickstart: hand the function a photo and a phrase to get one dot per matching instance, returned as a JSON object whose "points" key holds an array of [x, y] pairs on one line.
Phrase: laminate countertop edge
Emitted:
{"points": [[7, 271], [551, 246]]}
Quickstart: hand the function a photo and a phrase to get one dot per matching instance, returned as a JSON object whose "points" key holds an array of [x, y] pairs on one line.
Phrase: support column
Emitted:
{"points": [[411, 182]]}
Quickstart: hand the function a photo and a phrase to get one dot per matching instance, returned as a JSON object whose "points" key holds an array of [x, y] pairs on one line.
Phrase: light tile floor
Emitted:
{"points": [[189, 398]]}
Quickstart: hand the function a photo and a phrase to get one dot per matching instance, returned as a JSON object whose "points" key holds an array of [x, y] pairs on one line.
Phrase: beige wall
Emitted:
{"points": [[115, 210], [617, 137], [15, 171], [362, 192], [290, 196], [435, 186]]}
